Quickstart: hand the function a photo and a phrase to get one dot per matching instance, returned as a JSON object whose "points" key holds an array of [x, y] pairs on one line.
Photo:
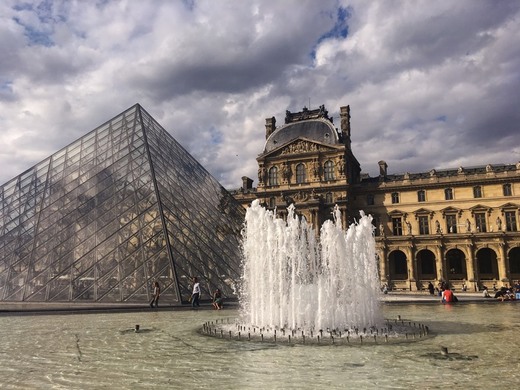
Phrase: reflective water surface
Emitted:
{"points": [[93, 351]]}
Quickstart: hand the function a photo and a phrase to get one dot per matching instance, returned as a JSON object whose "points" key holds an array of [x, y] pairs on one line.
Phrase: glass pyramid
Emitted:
{"points": [[113, 212]]}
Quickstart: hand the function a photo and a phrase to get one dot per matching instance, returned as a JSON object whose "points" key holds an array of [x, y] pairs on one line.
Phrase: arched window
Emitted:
{"points": [[273, 176], [300, 173], [329, 170]]}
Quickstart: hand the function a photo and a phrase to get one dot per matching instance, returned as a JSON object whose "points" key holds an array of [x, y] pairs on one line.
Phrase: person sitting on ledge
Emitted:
{"points": [[507, 295], [485, 292], [500, 293], [448, 296]]}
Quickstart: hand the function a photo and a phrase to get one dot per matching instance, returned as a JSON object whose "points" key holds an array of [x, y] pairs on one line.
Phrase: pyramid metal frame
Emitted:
{"points": [[120, 208]]}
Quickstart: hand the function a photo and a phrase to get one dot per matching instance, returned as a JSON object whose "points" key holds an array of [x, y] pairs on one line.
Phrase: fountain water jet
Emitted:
{"points": [[290, 280]]}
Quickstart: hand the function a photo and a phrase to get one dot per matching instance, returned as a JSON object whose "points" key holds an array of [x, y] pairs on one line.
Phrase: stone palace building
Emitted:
{"points": [[453, 225]]}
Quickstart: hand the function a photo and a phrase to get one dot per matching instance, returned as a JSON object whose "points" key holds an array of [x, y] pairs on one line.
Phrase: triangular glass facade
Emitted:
{"points": [[105, 217]]}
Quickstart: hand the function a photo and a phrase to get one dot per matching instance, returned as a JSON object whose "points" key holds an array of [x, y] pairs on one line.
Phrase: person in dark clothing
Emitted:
{"points": [[431, 289]]}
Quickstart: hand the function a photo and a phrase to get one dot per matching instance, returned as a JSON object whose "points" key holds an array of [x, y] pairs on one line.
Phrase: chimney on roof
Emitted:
{"points": [[270, 126], [345, 124], [247, 183], [382, 169]]}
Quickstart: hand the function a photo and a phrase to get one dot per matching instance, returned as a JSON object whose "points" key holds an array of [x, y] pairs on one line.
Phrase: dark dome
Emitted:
{"points": [[320, 130]]}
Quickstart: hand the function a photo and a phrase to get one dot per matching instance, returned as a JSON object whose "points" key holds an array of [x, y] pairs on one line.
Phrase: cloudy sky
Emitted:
{"points": [[430, 84]]}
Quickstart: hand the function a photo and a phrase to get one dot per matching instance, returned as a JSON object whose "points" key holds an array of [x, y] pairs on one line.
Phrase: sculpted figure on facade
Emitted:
{"points": [[409, 228], [316, 169], [438, 229], [341, 166], [301, 196], [286, 171], [262, 174], [300, 147], [468, 226], [499, 224]]}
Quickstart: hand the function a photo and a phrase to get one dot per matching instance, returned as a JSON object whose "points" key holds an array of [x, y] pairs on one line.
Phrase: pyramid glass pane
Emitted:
{"points": [[116, 210]]}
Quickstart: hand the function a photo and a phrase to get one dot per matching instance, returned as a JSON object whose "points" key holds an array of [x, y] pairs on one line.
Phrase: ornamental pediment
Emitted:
{"points": [[300, 146], [423, 212], [509, 206], [480, 209], [451, 210], [397, 213]]}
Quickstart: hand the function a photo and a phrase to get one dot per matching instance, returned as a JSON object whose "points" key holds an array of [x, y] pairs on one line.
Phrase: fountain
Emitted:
{"points": [[294, 285], [291, 280]]}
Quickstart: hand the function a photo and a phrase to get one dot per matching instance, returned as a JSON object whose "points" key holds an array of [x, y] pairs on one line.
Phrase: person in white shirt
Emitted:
{"points": [[195, 295]]}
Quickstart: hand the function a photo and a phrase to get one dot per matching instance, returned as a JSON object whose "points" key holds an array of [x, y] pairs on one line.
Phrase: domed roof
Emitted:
{"points": [[320, 130]]}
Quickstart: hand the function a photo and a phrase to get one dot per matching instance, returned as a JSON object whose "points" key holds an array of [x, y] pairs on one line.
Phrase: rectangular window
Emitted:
{"points": [[395, 197], [329, 170], [424, 227], [328, 197], [421, 196], [480, 222], [370, 199], [448, 194], [510, 221], [506, 188], [477, 192], [300, 174], [451, 223], [397, 226], [273, 176], [272, 202]]}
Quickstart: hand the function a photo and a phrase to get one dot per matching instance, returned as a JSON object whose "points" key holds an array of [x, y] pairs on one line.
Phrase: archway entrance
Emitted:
{"points": [[456, 267], [487, 267], [398, 270], [514, 263], [426, 268]]}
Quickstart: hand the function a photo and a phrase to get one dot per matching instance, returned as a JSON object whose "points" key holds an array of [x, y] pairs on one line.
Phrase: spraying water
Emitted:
{"points": [[292, 280]]}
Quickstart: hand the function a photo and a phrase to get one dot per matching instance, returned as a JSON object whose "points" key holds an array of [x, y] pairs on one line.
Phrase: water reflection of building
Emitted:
{"points": [[116, 210], [458, 225]]}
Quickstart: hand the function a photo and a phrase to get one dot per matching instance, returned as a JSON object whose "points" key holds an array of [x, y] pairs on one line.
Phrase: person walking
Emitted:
{"points": [[195, 295], [217, 299], [156, 295]]}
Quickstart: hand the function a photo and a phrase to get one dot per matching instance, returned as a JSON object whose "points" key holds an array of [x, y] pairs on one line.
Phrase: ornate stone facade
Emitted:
{"points": [[305, 163], [453, 225]]}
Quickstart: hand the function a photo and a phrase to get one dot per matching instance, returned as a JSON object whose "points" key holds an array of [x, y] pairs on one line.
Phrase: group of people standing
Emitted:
{"points": [[217, 299]]}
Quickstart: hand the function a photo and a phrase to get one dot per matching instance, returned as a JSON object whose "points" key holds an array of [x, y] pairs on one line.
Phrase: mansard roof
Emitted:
{"points": [[319, 129], [449, 172]]}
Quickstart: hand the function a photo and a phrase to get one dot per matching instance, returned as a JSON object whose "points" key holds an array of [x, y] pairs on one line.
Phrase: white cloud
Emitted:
{"points": [[430, 85]]}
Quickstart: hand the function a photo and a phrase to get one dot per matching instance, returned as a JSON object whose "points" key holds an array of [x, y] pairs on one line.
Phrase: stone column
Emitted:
{"points": [[412, 285], [382, 251], [439, 262], [501, 263], [470, 266]]}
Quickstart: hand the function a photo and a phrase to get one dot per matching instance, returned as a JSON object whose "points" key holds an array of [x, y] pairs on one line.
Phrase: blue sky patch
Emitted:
{"points": [[339, 31]]}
